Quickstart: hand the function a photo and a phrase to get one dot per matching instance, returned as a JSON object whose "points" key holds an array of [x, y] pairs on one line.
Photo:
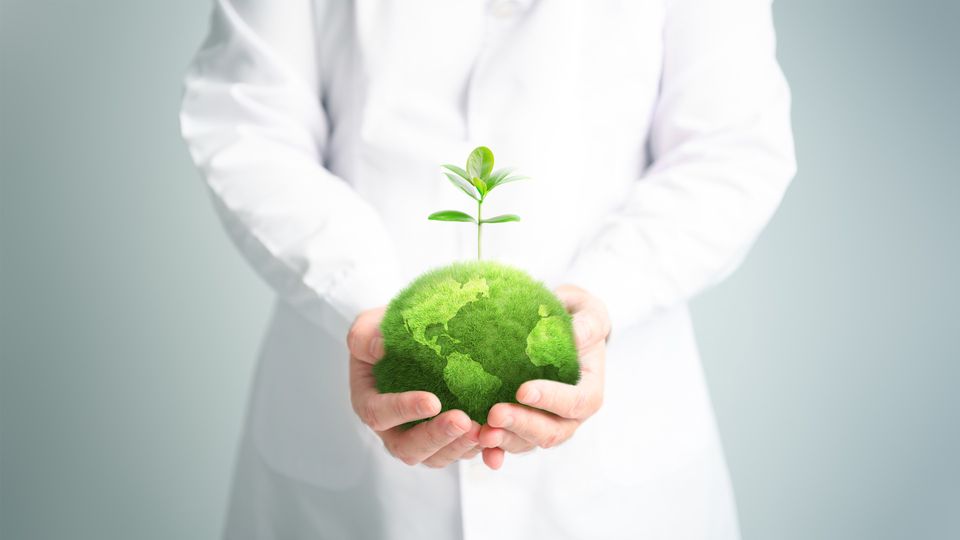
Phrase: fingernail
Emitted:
{"points": [[507, 421], [583, 330], [532, 396], [376, 347]]}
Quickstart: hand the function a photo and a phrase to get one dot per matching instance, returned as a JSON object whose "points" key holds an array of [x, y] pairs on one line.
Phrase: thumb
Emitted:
{"points": [[591, 324], [590, 327], [364, 339]]}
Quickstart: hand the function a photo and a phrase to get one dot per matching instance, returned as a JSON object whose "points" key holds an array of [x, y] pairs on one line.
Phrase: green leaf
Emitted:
{"points": [[457, 171], [497, 176], [501, 219], [465, 186], [503, 176], [480, 185], [512, 178], [480, 162], [451, 215]]}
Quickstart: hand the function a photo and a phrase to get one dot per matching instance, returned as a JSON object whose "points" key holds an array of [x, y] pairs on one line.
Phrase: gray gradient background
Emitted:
{"points": [[130, 325]]}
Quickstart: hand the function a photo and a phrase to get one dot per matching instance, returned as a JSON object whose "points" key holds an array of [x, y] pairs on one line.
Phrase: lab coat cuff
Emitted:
{"points": [[359, 290], [618, 291]]}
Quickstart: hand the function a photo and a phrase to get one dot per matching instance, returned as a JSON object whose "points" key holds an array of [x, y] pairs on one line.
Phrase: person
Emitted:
{"points": [[658, 137]]}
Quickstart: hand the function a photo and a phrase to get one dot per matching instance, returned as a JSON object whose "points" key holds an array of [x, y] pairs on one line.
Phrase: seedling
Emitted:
{"points": [[473, 331], [477, 181]]}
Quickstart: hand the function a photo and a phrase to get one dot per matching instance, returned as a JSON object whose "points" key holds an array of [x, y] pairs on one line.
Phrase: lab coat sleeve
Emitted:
{"points": [[253, 120], [722, 156]]}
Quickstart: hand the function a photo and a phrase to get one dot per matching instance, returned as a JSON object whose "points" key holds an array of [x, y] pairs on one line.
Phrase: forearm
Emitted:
{"points": [[253, 121], [722, 157]]}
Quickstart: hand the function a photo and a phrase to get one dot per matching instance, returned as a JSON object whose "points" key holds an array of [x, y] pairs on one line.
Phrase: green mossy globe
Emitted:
{"points": [[472, 333]]}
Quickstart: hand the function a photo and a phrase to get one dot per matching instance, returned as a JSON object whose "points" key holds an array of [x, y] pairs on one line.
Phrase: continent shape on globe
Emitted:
{"points": [[472, 333]]}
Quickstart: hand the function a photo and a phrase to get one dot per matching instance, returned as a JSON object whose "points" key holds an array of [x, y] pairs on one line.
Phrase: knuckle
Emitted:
{"points": [[521, 446], [590, 318], [399, 408], [551, 440], [437, 436], [369, 416], [464, 444], [353, 335], [606, 325], [441, 433], [392, 448], [397, 451], [576, 407], [358, 410], [597, 403], [520, 423]]}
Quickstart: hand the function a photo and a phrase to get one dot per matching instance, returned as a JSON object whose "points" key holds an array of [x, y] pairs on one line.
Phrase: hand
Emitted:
{"points": [[552, 411], [435, 443]]}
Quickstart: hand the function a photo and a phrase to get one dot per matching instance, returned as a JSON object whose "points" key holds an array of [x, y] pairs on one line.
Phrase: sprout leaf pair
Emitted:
{"points": [[477, 180]]}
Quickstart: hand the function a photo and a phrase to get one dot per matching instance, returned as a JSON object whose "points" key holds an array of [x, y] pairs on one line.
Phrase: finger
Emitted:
{"points": [[493, 457], [455, 450], [416, 444], [541, 428], [577, 402], [574, 298], [592, 359], [491, 437], [512, 443], [472, 453], [591, 323], [363, 385], [364, 339], [386, 411]]}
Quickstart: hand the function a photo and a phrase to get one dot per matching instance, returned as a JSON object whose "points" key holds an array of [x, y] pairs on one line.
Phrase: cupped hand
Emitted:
{"points": [[437, 442], [552, 411]]}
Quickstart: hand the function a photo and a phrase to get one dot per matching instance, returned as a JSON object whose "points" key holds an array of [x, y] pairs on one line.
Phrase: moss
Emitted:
{"points": [[472, 333]]}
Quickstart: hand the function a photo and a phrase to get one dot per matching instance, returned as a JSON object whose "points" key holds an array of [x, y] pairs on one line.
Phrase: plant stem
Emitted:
{"points": [[479, 226]]}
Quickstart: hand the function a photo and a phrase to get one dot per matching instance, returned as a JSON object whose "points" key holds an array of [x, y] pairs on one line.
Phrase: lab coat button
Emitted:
{"points": [[504, 9]]}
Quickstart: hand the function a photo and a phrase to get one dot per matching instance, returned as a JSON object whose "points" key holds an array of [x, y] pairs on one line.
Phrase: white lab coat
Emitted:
{"points": [[658, 138]]}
